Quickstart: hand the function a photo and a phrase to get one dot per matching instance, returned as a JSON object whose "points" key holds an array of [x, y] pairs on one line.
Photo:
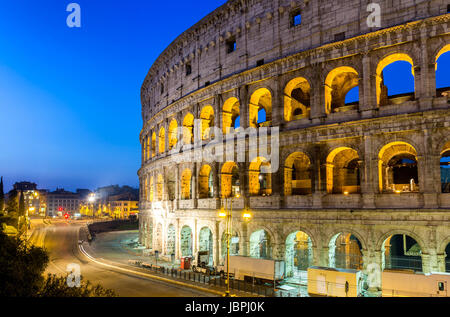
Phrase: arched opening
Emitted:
{"points": [[391, 90], [260, 100], [160, 187], [345, 252], [230, 184], [447, 258], [206, 188], [148, 235], [339, 82], [442, 67], [401, 252], [186, 188], [299, 255], [398, 170], [206, 244], [260, 245], [158, 238], [207, 118], [171, 238], [445, 168], [343, 172], [186, 241], [162, 140], [171, 183], [297, 175], [234, 245], [153, 144], [297, 99], [173, 134], [188, 129], [260, 184], [152, 184], [231, 114], [147, 148]]}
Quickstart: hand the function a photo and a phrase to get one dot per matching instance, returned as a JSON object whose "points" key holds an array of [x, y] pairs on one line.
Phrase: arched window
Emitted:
{"points": [[343, 172], [297, 100], [231, 114], [162, 140], [339, 82], [205, 182], [297, 178], [345, 252], [401, 252], [260, 100], [188, 129], [207, 117], [391, 90], [442, 75], [153, 144], [230, 184], [260, 182], [173, 134], [186, 188]]}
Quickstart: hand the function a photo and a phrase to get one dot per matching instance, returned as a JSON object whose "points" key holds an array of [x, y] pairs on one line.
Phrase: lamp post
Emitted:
{"points": [[227, 215]]}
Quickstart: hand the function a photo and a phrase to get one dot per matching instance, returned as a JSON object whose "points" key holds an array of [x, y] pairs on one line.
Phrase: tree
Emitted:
{"points": [[12, 205], [56, 286], [2, 196]]}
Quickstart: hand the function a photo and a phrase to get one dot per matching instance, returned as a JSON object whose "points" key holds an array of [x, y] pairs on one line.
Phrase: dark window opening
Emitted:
{"points": [[448, 8], [260, 62], [298, 112], [162, 89], [339, 36], [231, 46], [296, 18], [207, 83], [188, 69]]}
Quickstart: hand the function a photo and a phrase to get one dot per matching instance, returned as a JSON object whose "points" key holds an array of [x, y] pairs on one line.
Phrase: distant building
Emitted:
{"points": [[60, 202], [25, 186], [122, 209]]}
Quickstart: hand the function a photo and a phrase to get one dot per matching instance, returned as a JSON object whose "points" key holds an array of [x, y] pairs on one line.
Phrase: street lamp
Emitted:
{"points": [[227, 215]]}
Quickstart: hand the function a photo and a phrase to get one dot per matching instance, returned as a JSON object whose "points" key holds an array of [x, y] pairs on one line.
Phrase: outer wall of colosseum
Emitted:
{"points": [[352, 177]]}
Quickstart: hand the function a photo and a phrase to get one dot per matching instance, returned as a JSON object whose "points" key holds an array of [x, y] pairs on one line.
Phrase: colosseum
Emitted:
{"points": [[361, 183]]}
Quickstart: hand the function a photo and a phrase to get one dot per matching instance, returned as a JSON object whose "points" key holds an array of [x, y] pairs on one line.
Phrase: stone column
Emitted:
{"points": [[320, 179], [372, 267], [367, 100], [425, 78], [244, 180], [244, 105], [216, 184], [431, 175], [177, 240], [278, 104], [245, 251], [217, 244], [318, 113], [367, 175]]}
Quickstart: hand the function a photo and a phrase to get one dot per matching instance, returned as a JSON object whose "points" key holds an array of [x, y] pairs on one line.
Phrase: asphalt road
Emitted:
{"points": [[61, 240]]}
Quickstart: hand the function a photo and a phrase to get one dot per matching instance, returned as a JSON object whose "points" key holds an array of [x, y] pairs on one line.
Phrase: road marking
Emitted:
{"points": [[149, 275]]}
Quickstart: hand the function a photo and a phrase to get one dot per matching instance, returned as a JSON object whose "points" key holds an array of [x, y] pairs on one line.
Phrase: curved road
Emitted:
{"points": [[61, 240]]}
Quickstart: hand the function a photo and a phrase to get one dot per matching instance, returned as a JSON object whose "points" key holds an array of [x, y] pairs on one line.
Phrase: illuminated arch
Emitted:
{"points": [[442, 73], [402, 252], [259, 184], [343, 171], [153, 144], [445, 168], [345, 251], [162, 140], [381, 90], [261, 99], [205, 185], [229, 177], [171, 240], [207, 118], [261, 244], [206, 243], [186, 188], [160, 187], [297, 99], [152, 183], [188, 129], [186, 241], [231, 113], [337, 84], [173, 134], [298, 253], [391, 173], [297, 176]]}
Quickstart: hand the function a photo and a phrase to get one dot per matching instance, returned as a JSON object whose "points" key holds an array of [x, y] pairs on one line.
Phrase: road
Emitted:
{"points": [[61, 241]]}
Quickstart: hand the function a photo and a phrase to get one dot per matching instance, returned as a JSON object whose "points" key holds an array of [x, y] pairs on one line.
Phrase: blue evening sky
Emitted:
{"points": [[70, 112]]}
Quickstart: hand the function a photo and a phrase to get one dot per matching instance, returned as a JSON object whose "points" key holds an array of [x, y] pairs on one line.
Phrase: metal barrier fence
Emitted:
{"points": [[404, 263], [208, 279]]}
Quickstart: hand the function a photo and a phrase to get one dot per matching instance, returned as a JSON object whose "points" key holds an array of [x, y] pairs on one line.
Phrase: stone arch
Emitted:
{"points": [[186, 184], [391, 173], [188, 129], [205, 185], [343, 171], [297, 99], [261, 244], [186, 239], [298, 254], [297, 175], [230, 112], [207, 119], [234, 244], [411, 249], [415, 236], [206, 243], [160, 187], [152, 184], [229, 177], [260, 184], [171, 239], [159, 238], [345, 250], [153, 144], [381, 89], [445, 90], [260, 99], [173, 134], [444, 161], [338, 83], [162, 140]]}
